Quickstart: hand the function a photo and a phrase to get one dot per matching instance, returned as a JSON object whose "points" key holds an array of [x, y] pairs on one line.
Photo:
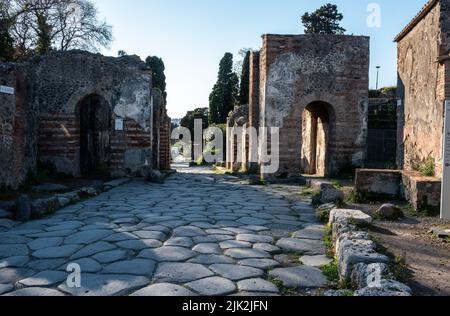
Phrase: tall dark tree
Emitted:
{"points": [[44, 30], [245, 80], [225, 94], [159, 77], [324, 20], [6, 42]]}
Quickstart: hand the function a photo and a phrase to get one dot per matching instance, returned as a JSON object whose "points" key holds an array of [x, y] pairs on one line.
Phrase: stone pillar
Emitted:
{"points": [[253, 109]]}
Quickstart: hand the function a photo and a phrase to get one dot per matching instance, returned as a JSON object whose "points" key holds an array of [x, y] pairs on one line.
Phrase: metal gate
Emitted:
{"points": [[381, 148]]}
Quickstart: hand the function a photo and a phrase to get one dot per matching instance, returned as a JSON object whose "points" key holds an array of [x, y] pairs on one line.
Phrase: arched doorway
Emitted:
{"points": [[316, 123], [95, 126]]}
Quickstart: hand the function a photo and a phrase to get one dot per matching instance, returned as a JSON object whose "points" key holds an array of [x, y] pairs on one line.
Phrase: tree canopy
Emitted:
{"points": [[225, 94], [159, 77], [38, 26], [245, 80], [324, 20]]}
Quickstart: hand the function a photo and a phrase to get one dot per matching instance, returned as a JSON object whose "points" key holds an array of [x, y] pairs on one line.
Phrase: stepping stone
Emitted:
{"points": [[304, 246], [14, 262], [106, 285], [87, 237], [211, 259], [4, 288], [315, 232], [315, 261], [41, 243], [13, 250], [44, 278], [93, 249], [134, 267], [235, 272], [302, 277], [272, 249], [255, 238], [167, 254], [207, 249], [87, 265], [257, 285], [150, 235], [110, 256], [35, 291], [164, 289], [214, 286], [244, 253], [139, 244], [234, 244], [181, 272], [188, 231], [259, 263], [180, 242], [56, 252]]}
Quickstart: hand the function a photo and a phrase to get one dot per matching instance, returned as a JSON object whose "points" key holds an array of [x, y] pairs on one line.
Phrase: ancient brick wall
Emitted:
{"points": [[18, 123], [422, 82], [296, 71]]}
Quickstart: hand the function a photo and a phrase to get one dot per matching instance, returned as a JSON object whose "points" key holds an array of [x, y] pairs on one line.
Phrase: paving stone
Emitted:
{"points": [[260, 263], [139, 244], [56, 252], [45, 264], [4, 288], [211, 259], [35, 291], [254, 238], [315, 232], [315, 261], [236, 272], [181, 272], [8, 238], [212, 239], [188, 231], [121, 237], [244, 253], [87, 265], [304, 246], [219, 232], [301, 277], [167, 254], [87, 237], [257, 285], [180, 242], [59, 233], [228, 244], [150, 235], [252, 221], [214, 286], [41, 243], [44, 278], [110, 256], [93, 249], [106, 285], [13, 250], [14, 262], [164, 289], [255, 228], [134, 267], [207, 249], [12, 275], [272, 249]]}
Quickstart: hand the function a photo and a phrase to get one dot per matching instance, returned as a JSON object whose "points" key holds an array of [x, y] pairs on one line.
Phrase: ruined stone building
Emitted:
{"points": [[81, 113], [315, 89]]}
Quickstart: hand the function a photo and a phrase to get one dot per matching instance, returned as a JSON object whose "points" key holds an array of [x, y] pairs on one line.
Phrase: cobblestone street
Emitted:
{"points": [[199, 233]]}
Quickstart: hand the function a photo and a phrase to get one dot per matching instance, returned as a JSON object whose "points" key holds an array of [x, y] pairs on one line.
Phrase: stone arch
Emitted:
{"points": [[94, 123], [318, 123]]}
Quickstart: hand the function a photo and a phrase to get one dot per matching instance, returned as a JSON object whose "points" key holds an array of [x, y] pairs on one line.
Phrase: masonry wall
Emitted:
{"points": [[422, 82], [296, 71]]}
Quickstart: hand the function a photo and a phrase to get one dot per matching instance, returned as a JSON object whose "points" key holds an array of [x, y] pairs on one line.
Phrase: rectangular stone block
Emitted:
{"points": [[378, 183]]}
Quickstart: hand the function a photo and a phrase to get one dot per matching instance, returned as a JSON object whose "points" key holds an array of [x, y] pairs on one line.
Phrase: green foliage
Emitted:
{"points": [[356, 197], [44, 41], [245, 80], [324, 20], [426, 168], [122, 53], [336, 184], [331, 271], [158, 75], [225, 93]]}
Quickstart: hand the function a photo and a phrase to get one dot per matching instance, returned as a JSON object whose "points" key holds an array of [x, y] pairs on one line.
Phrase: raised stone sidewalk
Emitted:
{"points": [[197, 234]]}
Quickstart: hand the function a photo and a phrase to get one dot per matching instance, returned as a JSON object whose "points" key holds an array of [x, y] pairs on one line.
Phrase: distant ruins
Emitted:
{"points": [[315, 89], [81, 113]]}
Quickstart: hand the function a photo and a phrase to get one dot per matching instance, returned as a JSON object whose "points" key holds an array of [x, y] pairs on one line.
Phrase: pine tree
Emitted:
{"points": [[6, 42], [225, 93], [245, 80], [324, 20], [159, 77], [44, 41]]}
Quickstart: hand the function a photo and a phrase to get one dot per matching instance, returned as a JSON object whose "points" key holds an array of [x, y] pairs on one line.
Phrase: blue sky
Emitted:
{"points": [[192, 35]]}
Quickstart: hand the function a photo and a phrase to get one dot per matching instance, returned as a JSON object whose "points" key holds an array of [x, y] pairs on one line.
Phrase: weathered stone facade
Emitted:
{"points": [[314, 88], [85, 113], [424, 78]]}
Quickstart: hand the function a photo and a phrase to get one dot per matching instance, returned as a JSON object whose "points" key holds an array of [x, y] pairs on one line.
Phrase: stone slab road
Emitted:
{"points": [[199, 233]]}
